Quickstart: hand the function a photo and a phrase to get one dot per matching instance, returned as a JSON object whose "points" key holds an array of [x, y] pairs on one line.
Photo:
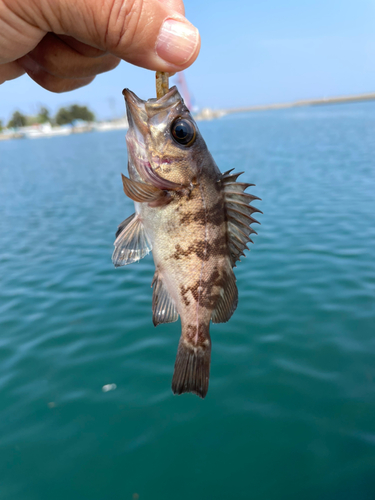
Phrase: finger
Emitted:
{"points": [[82, 48], [147, 33], [18, 35], [60, 60], [10, 71], [54, 83], [175, 5]]}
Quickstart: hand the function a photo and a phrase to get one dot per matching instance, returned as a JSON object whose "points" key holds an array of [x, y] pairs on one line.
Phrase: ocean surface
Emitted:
{"points": [[290, 413]]}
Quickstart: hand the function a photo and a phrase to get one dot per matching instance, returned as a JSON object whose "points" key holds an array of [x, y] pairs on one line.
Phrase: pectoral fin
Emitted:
{"points": [[144, 193], [132, 242], [151, 177], [163, 307], [123, 224]]}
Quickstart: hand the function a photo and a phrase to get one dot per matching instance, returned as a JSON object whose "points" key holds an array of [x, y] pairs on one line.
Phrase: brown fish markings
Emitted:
{"points": [[194, 219]]}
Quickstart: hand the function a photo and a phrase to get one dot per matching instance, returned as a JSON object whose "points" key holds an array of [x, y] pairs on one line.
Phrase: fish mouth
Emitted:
{"points": [[136, 112], [136, 137], [140, 113]]}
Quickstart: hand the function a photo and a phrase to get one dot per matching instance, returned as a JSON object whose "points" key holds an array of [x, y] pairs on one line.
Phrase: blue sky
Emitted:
{"points": [[252, 53]]}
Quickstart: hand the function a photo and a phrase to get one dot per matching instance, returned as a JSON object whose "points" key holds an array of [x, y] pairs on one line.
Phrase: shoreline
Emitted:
{"points": [[210, 114], [46, 130]]}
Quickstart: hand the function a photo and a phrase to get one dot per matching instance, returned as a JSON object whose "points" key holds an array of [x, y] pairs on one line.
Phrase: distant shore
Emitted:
{"points": [[308, 102], [46, 130], [209, 114]]}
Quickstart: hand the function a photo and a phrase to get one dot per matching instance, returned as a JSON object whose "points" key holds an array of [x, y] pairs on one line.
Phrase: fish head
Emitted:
{"points": [[164, 137]]}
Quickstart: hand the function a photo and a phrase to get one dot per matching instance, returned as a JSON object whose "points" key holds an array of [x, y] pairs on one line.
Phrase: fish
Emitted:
{"points": [[194, 219]]}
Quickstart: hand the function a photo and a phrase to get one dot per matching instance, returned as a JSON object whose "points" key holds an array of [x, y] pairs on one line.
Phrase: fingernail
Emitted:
{"points": [[177, 41]]}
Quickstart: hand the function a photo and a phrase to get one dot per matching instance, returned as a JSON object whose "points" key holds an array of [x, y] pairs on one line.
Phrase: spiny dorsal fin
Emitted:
{"points": [[238, 213], [228, 301], [163, 307], [132, 242]]}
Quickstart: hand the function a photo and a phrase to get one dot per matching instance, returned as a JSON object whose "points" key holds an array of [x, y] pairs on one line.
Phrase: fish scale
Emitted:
{"points": [[194, 219]]}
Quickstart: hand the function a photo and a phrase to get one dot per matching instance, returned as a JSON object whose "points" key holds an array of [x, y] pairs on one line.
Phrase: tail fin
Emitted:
{"points": [[192, 369]]}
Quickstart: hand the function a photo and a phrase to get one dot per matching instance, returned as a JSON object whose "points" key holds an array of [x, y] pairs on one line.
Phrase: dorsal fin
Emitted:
{"points": [[163, 307], [238, 214]]}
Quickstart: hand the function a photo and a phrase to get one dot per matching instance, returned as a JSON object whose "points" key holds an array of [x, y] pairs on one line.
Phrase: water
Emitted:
{"points": [[290, 409]]}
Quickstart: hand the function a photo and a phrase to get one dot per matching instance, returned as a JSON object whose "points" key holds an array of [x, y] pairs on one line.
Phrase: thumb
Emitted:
{"points": [[148, 33]]}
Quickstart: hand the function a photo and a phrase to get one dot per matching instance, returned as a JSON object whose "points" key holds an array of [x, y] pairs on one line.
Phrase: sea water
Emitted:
{"points": [[86, 409]]}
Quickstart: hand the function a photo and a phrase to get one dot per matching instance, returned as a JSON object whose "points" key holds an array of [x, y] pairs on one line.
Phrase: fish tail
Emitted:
{"points": [[192, 367]]}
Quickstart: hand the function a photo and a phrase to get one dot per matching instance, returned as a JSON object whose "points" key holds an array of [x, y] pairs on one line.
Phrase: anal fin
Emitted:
{"points": [[228, 301], [132, 242], [163, 307]]}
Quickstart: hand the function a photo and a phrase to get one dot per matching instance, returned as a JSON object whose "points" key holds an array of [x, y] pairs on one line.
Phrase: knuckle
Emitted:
{"points": [[124, 23]]}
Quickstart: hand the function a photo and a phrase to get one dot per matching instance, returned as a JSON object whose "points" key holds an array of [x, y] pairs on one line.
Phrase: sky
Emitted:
{"points": [[252, 53]]}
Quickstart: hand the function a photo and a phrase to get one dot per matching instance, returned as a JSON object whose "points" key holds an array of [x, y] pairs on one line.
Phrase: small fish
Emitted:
{"points": [[194, 219]]}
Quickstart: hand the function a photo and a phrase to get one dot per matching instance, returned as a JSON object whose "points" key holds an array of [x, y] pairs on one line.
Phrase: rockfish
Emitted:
{"points": [[194, 219]]}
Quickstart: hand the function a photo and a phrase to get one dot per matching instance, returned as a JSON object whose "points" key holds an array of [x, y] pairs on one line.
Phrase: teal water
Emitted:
{"points": [[290, 412]]}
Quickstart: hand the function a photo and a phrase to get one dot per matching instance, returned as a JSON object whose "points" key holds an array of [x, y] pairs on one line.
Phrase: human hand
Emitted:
{"points": [[63, 44]]}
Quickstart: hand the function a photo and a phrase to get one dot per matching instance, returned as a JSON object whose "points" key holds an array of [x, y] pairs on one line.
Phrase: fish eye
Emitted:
{"points": [[183, 131]]}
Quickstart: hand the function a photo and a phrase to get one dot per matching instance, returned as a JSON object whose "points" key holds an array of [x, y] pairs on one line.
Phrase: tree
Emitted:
{"points": [[74, 112], [63, 116], [1, 125], [82, 113], [43, 115], [17, 120]]}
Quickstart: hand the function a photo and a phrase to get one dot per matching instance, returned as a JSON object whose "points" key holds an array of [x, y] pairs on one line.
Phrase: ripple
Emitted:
{"points": [[292, 372]]}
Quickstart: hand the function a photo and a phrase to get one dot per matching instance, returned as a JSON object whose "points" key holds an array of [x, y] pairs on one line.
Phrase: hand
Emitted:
{"points": [[63, 44]]}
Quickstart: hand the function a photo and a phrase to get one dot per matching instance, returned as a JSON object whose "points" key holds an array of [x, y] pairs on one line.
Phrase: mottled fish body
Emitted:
{"points": [[195, 220]]}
